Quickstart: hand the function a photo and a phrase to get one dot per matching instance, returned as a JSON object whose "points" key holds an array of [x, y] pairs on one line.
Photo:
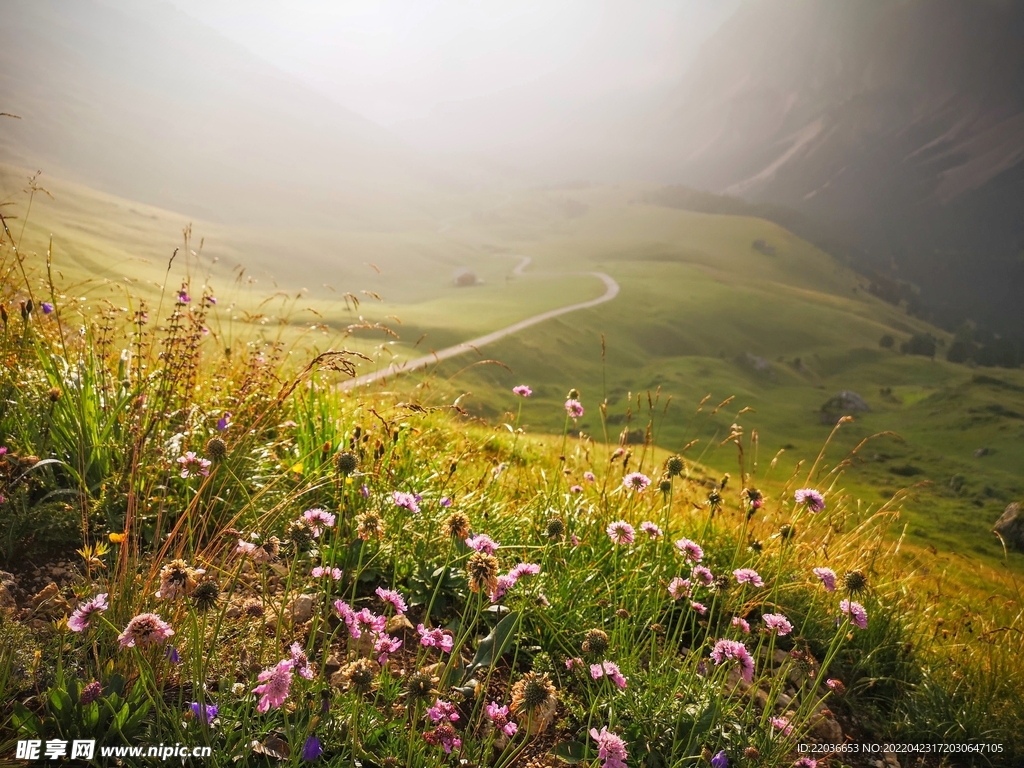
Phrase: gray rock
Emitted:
{"points": [[841, 404], [757, 365], [828, 730], [1010, 526], [300, 610]]}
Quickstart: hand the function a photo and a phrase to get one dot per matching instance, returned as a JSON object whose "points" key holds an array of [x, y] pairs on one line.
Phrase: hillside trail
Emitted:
{"points": [[473, 345]]}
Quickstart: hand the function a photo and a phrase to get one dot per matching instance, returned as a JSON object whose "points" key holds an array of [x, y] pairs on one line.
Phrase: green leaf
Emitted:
{"points": [[569, 752], [26, 722], [495, 644]]}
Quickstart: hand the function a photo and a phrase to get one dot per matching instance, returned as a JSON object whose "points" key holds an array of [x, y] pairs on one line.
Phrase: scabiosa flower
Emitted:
{"points": [[498, 715], [406, 501], [369, 526], [748, 576], [611, 749], [815, 501], [574, 408], [690, 549], [300, 661], [349, 617], [384, 646], [275, 684], [636, 481], [595, 642], [806, 762], [435, 638], [699, 607], [311, 749], [359, 675], [366, 620], [193, 465], [483, 543], [301, 533], [319, 519], [679, 588], [778, 623], [90, 693], [703, 575], [420, 686], [575, 489], [741, 624], [856, 612], [620, 532], [611, 670], [782, 724], [522, 390], [828, 578], [574, 662], [144, 630], [652, 531], [392, 598], [836, 686], [457, 525], [204, 713], [534, 696], [79, 620], [734, 650], [177, 580], [346, 462], [855, 581], [321, 571], [482, 570]]}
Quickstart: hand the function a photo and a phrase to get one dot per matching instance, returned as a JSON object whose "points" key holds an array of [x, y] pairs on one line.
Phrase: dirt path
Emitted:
{"points": [[611, 291]]}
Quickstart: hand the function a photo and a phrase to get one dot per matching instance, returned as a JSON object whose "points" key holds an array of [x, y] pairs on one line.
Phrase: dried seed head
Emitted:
{"points": [[206, 594], [722, 583], [369, 526], [622, 613], [253, 607], [457, 525], [786, 531], [555, 528], [714, 499], [574, 394], [855, 581], [532, 693], [675, 466], [347, 462], [420, 686], [54, 394], [665, 485], [216, 448], [359, 675], [482, 570], [595, 642], [752, 753]]}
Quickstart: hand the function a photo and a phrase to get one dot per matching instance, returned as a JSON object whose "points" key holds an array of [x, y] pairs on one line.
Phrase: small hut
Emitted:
{"points": [[465, 278]]}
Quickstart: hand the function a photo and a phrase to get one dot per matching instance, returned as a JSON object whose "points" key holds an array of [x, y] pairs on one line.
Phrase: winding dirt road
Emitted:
{"points": [[611, 291]]}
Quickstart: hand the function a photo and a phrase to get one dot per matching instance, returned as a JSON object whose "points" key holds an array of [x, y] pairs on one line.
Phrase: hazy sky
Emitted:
{"points": [[395, 60]]}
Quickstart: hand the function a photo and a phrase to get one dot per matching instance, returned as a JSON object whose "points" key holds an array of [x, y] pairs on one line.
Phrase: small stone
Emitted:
{"points": [[398, 624], [300, 610], [827, 729], [49, 602], [233, 612], [332, 665]]}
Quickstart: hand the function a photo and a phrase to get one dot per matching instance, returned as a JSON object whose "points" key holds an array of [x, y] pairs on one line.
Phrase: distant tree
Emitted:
{"points": [[961, 351], [887, 341], [919, 344]]}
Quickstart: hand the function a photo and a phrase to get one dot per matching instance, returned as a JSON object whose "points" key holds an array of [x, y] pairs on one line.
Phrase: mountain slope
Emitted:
{"points": [[145, 103], [904, 119]]}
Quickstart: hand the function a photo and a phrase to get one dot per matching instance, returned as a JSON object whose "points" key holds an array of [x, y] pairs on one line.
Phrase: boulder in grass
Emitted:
{"points": [[843, 403], [1010, 526]]}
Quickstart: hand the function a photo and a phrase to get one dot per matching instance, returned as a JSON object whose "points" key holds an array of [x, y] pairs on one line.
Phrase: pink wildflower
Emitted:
{"points": [[679, 588], [574, 408], [815, 501], [193, 466], [522, 390], [782, 724], [319, 517], [703, 575], [384, 646], [636, 481], [367, 621], [611, 749], [778, 623], [575, 661], [320, 572], [79, 620], [589, 477], [575, 489], [691, 549], [498, 715], [276, 683], [806, 762], [735, 651], [856, 612], [611, 669], [349, 617], [144, 630], [652, 531], [699, 607], [741, 623], [748, 576], [443, 711], [435, 638], [620, 532], [393, 598], [828, 578], [406, 501], [300, 661], [482, 543]]}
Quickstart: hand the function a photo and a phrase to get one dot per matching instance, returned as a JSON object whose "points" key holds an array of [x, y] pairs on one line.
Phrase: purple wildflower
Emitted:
{"points": [[319, 517], [312, 749], [691, 549], [204, 713], [47, 307], [275, 684], [482, 543], [741, 624], [735, 651], [620, 532], [609, 669], [392, 598], [406, 501], [828, 578], [636, 481], [782, 724], [703, 575], [652, 530], [856, 612], [498, 715], [813, 499], [574, 408], [679, 588], [79, 620], [300, 661], [778, 623], [435, 638], [522, 390], [611, 749], [748, 576]]}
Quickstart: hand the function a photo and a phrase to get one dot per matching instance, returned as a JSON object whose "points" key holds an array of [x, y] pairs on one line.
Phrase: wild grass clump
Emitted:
{"points": [[284, 571]]}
